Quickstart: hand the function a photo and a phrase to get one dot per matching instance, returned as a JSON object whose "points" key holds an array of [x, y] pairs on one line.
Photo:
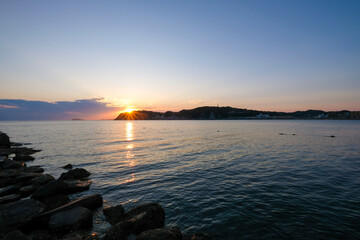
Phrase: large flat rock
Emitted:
{"points": [[13, 215], [72, 219]]}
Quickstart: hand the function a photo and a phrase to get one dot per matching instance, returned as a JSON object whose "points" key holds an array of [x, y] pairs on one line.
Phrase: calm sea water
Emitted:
{"points": [[231, 179]]}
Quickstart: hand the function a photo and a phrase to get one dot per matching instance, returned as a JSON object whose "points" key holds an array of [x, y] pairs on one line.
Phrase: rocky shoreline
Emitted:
{"points": [[36, 206]]}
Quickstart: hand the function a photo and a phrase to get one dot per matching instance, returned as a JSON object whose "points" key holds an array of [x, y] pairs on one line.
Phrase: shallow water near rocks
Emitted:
{"points": [[231, 179]]}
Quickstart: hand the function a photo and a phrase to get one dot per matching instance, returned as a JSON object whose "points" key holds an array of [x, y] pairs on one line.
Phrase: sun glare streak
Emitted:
{"points": [[129, 131]]}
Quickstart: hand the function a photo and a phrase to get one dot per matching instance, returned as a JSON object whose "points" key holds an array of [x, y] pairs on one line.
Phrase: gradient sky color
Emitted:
{"points": [[169, 55]]}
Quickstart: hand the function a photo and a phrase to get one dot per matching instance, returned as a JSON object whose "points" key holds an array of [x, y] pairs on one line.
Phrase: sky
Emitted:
{"points": [[101, 57]]}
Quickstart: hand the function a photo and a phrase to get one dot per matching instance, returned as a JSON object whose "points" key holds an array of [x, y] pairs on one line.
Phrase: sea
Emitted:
{"points": [[232, 179]]}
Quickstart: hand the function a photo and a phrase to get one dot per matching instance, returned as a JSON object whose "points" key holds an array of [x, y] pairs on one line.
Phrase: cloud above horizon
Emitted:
{"points": [[89, 109]]}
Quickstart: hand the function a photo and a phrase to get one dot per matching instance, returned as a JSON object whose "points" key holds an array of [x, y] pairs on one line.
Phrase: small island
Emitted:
{"points": [[221, 113]]}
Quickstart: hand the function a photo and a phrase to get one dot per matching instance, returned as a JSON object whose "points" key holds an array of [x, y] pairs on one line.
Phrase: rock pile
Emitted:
{"points": [[35, 206]]}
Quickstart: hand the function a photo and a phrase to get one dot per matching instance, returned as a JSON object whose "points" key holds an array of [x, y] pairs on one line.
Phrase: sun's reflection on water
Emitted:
{"points": [[129, 153]]}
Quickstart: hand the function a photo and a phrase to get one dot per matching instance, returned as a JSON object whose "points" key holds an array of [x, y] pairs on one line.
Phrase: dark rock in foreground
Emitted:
{"points": [[119, 231], [146, 216], [8, 190], [15, 214], [74, 186], [89, 202], [139, 219], [114, 214], [10, 198], [55, 201], [161, 234], [75, 218], [43, 179], [4, 141], [200, 236], [77, 173], [10, 164], [23, 158], [27, 190], [15, 235], [49, 189]]}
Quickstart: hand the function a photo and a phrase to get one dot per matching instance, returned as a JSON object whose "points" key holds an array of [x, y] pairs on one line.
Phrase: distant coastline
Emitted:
{"points": [[222, 113]]}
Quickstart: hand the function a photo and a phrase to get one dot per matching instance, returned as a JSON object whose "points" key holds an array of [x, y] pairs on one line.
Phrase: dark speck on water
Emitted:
{"points": [[241, 183]]}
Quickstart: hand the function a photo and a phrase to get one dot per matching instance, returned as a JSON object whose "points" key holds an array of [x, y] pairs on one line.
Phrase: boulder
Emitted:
{"points": [[33, 169], [50, 189], [119, 231], [68, 166], [200, 236], [10, 173], [4, 182], [27, 190], [41, 235], [16, 214], [114, 214], [161, 234], [24, 151], [15, 235], [10, 198], [10, 164], [55, 201], [8, 190], [4, 141], [42, 179], [75, 218], [74, 186], [80, 234], [146, 216], [75, 174], [61, 187], [89, 202], [15, 144], [23, 158], [26, 177]]}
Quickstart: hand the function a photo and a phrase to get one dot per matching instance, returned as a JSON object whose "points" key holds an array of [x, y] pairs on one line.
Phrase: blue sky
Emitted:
{"points": [[169, 55]]}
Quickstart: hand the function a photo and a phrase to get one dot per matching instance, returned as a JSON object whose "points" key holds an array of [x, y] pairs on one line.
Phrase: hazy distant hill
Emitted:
{"points": [[230, 113]]}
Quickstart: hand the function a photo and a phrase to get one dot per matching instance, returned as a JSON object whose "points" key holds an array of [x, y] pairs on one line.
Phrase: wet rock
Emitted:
{"points": [[114, 214], [15, 235], [75, 218], [23, 158], [77, 173], [200, 236], [50, 189], [26, 177], [80, 234], [15, 214], [15, 144], [33, 169], [146, 216], [4, 140], [68, 166], [161, 234], [43, 179], [4, 182], [76, 186], [10, 164], [8, 190], [10, 173], [119, 231], [24, 151], [55, 201], [10, 198], [89, 202], [27, 190], [41, 235]]}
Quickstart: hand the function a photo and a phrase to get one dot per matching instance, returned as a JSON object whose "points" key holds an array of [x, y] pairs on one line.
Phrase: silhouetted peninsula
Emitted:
{"points": [[208, 113]]}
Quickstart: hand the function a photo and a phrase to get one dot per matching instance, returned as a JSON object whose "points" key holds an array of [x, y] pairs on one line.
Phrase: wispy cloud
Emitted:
{"points": [[95, 108]]}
